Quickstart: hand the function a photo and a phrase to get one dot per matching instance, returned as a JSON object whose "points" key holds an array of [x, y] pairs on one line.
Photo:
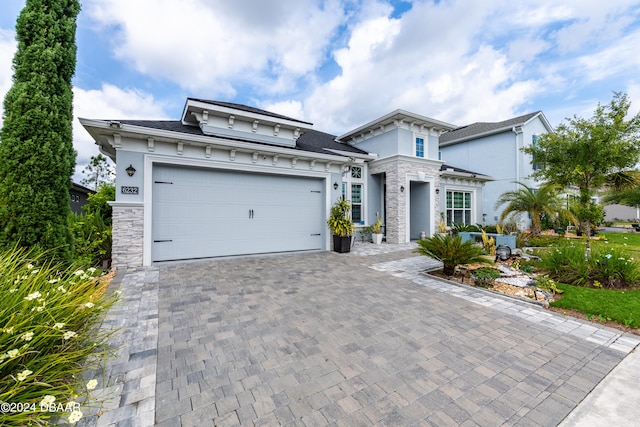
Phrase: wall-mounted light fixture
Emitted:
{"points": [[130, 170], [437, 191], [402, 188], [335, 185]]}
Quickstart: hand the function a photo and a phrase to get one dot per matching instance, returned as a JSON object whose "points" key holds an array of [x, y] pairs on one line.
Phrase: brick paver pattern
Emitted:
{"points": [[323, 339]]}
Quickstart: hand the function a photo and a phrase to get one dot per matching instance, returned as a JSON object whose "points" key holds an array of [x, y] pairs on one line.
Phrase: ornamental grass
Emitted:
{"points": [[49, 318]]}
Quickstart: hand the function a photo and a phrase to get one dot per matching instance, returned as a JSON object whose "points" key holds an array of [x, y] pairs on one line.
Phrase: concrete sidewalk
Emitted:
{"points": [[358, 339]]}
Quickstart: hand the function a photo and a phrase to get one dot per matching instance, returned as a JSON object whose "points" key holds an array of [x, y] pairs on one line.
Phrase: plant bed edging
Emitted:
{"points": [[543, 304]]}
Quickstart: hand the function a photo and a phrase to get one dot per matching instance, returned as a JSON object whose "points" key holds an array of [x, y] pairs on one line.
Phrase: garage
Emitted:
{"points": [[200, 213]]}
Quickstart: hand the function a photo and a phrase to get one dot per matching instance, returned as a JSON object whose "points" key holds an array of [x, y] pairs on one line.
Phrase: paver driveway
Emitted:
{"points": [[324, 339]]}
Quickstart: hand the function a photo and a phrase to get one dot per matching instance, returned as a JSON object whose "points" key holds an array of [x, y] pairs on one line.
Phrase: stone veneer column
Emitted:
{"points": [[128, 228]]}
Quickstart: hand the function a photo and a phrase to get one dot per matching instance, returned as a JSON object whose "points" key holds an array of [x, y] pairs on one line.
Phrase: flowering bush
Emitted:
{"points": [[609, 268], [48, 328]]}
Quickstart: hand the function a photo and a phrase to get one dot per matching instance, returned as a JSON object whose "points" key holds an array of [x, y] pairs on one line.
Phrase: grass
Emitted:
{"points": [[627, 241], [622, 307]]}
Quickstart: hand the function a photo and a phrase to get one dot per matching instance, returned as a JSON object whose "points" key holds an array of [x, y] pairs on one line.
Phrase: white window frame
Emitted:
{"points": [[347, 181], [472, 208], [425, 141]]}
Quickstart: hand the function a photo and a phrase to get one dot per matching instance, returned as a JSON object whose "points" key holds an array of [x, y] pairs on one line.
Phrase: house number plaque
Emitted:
{"points": [[129, 190]]}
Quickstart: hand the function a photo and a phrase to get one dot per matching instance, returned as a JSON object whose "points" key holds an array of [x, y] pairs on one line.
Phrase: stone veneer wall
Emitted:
{"points": [[128, 227], [396, 172]]}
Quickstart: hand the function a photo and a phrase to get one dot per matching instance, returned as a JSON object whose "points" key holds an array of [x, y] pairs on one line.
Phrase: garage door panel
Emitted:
{"points": [[203, 213]]}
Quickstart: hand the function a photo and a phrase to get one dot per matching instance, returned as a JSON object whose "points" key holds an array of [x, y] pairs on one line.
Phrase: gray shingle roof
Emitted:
{"points": [[311, 140], [248, 109], [484, 128], [446, 167]]}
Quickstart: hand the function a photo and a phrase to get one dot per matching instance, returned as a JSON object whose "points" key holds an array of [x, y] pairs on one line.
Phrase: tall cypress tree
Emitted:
{"points": [[37, 158]]}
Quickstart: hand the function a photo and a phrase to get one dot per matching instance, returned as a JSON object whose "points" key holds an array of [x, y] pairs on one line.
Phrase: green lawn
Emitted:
{"points": [[622, 307], [626, 241]]}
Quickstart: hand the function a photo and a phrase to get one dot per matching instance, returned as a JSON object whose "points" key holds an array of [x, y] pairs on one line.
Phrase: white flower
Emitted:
{"points": [[33, 296], [13, 353], [62, 289], [58, 325], [8, 330], [54, 280], [75, 416], [92, 270], [89, 305], [40, 308], [27, 337], [35, 271], [11, 291], [30, 266], [47, 400], [78, 272], [92, 384], [607, 256], [24, 374], [69, 334]]}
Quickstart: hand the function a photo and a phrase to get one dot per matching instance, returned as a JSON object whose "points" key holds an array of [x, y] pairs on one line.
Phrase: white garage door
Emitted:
{"points": [[199, 213]]}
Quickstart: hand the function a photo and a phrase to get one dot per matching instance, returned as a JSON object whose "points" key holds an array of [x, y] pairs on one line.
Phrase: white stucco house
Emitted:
{"points": [[229, 179]]}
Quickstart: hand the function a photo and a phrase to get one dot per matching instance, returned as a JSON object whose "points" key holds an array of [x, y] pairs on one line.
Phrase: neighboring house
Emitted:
{"points": [[228, 179], [495, 149], [79, 196]]}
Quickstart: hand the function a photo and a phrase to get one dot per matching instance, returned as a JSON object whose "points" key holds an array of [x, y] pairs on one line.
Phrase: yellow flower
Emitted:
{"points": [[27, 336], [47, 400], [24, 374], [75, 416], [92, 384]]}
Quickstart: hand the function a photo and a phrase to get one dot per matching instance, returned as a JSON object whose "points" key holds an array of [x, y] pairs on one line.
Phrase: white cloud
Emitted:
{"points": [[210, 45], [109, 102], [8, 48]]}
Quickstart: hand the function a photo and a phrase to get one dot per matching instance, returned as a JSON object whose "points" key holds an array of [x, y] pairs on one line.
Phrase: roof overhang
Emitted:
{"points": [[109, 136], [397, 118]]}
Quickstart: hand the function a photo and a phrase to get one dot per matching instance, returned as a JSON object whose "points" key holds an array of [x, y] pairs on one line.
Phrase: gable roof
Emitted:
{"points": [[481, 129], [247, 109]]}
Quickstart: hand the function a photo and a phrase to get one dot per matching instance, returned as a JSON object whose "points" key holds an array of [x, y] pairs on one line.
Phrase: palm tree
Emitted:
{"points": [[535, 202]]}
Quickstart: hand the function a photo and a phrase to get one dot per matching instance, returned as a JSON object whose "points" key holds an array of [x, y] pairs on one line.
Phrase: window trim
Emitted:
{"points": [[347, 181], [415, 146], [471, 209]]}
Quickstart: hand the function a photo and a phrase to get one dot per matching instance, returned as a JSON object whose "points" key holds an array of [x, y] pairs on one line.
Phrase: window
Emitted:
{"points": [[356, 203], [353, 189], [534, 163], [458, 207], [356, 172], [419, 147]]}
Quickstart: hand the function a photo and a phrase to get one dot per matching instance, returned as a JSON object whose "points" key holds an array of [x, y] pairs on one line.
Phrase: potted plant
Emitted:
{"points": [[375, 230], [339, 223]]}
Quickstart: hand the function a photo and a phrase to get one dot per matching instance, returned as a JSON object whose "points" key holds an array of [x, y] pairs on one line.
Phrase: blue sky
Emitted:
{"points": [[342, 63]]}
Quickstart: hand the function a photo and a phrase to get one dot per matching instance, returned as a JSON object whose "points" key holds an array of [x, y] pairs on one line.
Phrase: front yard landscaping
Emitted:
{"points": [[603, 287]]}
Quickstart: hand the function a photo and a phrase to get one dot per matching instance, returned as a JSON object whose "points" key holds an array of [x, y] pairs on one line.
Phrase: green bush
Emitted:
{"points": [[48, 318], [485, 275], [458, 228], [92, 238], [611, 267], [451, 251]]}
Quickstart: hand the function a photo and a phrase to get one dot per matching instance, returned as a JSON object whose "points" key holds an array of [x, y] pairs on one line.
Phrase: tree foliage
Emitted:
{"points": [[535, 202], [98, 172], [585, 153], [36, 145]]}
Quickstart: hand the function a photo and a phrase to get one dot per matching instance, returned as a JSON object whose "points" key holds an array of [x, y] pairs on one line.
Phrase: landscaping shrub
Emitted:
{"points": [[451, 251], [92, 238], [611, 267], [48, 320], [485, 276]]}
